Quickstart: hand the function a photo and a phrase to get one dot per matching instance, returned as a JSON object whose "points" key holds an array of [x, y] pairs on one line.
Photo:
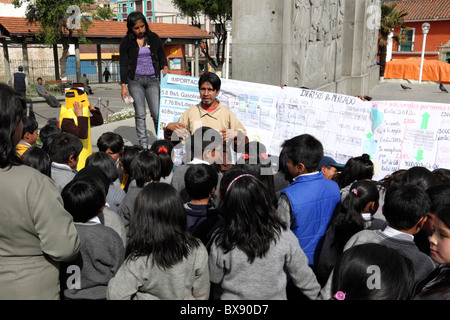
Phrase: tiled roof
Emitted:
{"points": [[12, 26], [424, 9]]}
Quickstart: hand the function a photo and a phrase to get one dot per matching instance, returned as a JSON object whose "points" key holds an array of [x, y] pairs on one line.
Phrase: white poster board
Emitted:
{"points": [[396, 135]]}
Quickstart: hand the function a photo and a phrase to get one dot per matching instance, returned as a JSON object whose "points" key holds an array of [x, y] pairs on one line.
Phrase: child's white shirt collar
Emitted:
{"points": [[61, 166], [306, 174], [393, 233]]}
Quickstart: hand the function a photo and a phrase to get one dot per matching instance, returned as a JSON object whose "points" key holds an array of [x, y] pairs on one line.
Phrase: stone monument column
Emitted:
{"points": [[327, 45]]}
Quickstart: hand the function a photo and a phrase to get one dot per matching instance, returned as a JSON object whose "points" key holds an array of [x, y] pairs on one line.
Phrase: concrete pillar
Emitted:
{"points": [[196, 55], [258, 40], [6, 62], [327, 45], [77, 61], [99, 63], [26, 65], [286, 55]]}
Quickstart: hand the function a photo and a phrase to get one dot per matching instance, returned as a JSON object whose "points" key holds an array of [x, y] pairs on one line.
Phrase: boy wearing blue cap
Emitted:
{"points": [[329, 167]]}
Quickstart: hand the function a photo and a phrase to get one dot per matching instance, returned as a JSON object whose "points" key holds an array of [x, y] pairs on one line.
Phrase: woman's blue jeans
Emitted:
{"points": [[142, 89]]}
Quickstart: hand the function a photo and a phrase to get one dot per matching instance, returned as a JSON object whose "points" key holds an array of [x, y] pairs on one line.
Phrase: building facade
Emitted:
{"points": [[437, 45]]}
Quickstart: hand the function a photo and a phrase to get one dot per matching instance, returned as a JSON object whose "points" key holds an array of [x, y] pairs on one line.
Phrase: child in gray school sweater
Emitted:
{"points": [[254, 249], [102, 251], [405, 207]]}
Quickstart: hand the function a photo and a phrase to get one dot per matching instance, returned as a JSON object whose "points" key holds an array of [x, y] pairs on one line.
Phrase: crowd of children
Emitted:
{"points": [[150, 230]]}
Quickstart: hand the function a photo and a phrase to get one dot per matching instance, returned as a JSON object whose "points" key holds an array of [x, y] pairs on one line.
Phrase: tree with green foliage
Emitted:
{"points": [[103, 14], [58, 22], [218, 11], [391, 20]]}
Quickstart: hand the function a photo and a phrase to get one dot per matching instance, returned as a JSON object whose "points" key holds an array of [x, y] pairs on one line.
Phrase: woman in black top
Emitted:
{"points": [[142, 58]]}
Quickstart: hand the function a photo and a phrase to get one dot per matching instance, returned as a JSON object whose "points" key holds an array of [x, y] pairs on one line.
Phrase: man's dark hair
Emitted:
{"points": [[211, 78]]}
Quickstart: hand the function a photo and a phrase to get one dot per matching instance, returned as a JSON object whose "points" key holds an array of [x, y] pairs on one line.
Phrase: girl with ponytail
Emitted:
{"points": [[355, 214]]}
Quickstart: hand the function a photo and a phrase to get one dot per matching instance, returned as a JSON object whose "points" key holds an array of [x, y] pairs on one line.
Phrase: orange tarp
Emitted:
{"points": [[433, 70]]}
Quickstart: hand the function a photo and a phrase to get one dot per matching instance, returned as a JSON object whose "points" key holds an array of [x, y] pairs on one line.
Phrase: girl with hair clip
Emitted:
{"points": [[254, 249], [163, 260], [163, 149], [355, 275], [355, 214], [437, 285]]}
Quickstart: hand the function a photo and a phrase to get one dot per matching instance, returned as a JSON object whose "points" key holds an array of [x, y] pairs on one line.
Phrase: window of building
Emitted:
{"points": [[408, 45], [175, 63]]}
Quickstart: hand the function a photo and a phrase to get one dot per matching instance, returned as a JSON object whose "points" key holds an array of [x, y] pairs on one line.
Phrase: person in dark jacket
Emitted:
{"points": [[142, 58], [20, 82]]}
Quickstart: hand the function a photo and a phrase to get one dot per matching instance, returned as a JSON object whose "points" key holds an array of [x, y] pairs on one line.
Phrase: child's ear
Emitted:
{"points": [[301, 168], [421, 222], [373, 207]]}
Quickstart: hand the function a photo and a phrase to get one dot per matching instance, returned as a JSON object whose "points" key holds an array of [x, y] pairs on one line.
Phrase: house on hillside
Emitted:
{"points": [[437, 14]]}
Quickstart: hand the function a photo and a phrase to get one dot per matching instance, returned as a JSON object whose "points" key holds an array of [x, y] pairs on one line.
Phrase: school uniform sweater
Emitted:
{"points": [[329, 253], [265, 278], [141, 280], [114, 197], [61, 174], [203, 220], [126, 208], [101, 254]]}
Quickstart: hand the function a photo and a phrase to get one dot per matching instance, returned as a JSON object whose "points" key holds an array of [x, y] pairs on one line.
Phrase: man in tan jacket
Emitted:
{"points": [[210, 113]]}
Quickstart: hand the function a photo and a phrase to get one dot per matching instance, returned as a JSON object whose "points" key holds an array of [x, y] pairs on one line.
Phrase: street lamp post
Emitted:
{"points": [[228, 27], [425, 29]]}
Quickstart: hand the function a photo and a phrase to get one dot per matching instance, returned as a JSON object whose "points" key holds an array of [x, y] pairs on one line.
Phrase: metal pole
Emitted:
{"points": [[421, 61], [228, 55]]}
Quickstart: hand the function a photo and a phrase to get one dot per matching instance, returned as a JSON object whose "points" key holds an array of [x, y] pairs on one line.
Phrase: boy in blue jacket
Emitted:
{"points": [[308, 203]]}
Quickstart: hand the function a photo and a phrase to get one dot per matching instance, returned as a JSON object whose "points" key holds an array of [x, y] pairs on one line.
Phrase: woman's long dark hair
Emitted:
{"points": [[132, 18], [349, 219], [158, 227], [12, 110], [251, 221]]}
